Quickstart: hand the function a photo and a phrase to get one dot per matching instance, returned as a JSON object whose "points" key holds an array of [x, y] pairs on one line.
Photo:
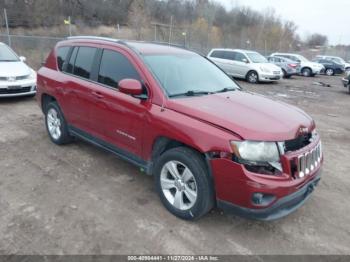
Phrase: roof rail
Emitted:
{"points": [[108, 39]]}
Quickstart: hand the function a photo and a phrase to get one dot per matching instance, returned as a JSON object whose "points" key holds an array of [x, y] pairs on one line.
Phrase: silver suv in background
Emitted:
{"points": [[336, 59], [289, 67], [307, 68], [249, 65]]}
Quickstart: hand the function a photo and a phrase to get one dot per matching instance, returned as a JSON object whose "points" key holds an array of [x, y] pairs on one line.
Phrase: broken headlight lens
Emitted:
{"points": [[255, 153]]}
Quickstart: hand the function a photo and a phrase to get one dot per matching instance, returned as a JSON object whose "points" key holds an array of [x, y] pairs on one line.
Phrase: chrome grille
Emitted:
{"points": [[309, 161]]}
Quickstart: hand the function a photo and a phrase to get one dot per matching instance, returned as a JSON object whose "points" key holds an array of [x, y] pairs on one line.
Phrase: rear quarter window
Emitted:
{"points": [[62, 53], [218, 54]]}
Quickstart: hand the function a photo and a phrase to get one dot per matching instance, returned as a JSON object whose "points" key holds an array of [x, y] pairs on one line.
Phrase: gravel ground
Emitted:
{"points": [[78, 199]]}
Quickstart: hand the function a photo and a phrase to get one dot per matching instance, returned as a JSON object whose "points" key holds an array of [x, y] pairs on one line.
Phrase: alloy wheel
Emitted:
{"points": [[329, 72], [54, 124], [253, 78], [179, 185]]}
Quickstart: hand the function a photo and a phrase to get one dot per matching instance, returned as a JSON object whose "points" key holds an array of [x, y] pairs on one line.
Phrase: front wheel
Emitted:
{"points": [[329, 72], [253, 77], [306, 72], [183, 183]]}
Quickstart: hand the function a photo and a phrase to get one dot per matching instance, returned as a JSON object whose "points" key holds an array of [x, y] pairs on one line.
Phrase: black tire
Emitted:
{"points": [[285, 75], [306, 72], [64, 137], [329, 72], [204, 186], [252, 77]]}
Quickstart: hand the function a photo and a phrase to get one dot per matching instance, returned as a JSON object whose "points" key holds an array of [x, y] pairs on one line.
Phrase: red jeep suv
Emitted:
{"points": [[180, 118]]}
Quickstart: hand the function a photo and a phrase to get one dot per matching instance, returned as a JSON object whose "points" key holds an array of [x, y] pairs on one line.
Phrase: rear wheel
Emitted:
{"points": [[56, 125], [183, 183], [329, 72], [306, 72], [252, 77], [284, 73]]}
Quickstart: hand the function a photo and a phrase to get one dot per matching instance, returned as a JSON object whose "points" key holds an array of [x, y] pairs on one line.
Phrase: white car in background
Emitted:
{"points": [[16, 78], [336, 59], [307, 68], [249, 65]]}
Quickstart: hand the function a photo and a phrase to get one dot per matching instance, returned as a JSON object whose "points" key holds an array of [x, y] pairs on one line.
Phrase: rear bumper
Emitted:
{"points": [[281, 208]]}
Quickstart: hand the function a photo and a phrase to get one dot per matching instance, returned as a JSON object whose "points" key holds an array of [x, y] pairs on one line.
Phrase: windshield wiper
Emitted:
{"points": [[192, 93], [224, 90]]}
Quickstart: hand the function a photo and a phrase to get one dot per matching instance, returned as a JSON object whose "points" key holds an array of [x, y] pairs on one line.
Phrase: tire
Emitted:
{"points": [[329, 72], [252, 77], [191, 195], [56, 125], [285, 75], [306, 72]]}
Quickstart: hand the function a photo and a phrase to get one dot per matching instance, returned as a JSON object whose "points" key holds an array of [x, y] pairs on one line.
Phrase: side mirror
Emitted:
{"points": [[130, 87], [22, 58], [245, 60]]}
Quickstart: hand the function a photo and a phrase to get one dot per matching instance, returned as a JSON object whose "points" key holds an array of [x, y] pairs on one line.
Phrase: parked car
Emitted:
{"points": [[180, 118], [16, 78], [289, 67], [331, 67], [307, 68], [346, 80], [336, 59], [248, 65]]}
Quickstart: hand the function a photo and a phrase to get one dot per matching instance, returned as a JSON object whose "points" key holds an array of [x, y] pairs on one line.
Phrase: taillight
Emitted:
{"points": [[292, 65]]}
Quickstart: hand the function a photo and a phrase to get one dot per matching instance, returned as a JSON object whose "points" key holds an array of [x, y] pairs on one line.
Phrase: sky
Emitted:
{"points": [[331, 18]]}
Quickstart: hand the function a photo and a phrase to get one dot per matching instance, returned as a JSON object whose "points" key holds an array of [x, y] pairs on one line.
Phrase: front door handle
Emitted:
{"points": [[97, 94]]}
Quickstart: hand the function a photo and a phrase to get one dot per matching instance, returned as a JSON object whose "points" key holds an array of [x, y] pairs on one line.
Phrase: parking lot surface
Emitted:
{"points": [[78, 199]]}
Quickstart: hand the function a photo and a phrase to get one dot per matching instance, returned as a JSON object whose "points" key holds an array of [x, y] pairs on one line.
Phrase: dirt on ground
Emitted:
{"points": [[78, 199]]}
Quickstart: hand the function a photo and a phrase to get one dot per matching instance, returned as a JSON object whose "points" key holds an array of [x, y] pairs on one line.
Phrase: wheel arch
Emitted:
{"points": [[162, 144], [45, 100]]}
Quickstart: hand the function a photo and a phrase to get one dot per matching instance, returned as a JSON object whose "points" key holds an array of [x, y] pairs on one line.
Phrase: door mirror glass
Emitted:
{"points": [[130, 87], [22, 58]]}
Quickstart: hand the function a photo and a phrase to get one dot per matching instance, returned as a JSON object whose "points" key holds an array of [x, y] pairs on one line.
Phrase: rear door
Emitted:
{"points": [[77, 87], [218, 57], [241, 66]]}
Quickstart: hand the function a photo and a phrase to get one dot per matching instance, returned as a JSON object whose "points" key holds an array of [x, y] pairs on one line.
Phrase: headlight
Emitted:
{"points": [[256, 151], [32, 74], [265, 69]]}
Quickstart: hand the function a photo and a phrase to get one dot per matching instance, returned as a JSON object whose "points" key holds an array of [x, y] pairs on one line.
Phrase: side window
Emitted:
{"points": [[230, 55], [240, 57], [115, 67], [71, 62], [62, 53], [218, 54], [84, 62]]}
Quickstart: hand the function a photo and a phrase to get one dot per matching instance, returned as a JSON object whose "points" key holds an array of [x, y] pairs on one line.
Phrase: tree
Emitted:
{"points": [[316, 40]]}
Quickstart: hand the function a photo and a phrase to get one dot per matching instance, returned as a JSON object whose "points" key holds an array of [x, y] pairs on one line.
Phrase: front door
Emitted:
{"points": [[118, 118]]}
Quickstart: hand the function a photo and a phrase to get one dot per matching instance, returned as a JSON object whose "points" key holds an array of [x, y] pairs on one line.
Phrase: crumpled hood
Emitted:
{"points": [[251, 116], [13, 69]]}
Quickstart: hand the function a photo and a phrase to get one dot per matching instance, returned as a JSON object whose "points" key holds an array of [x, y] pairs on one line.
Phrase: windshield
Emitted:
{"points": [[338, 60], [7, 55], [257, 58], [302, 58], [188, 73]]}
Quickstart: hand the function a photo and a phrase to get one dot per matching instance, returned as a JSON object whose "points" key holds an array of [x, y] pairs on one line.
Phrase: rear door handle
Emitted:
{"points": [[97, 94]]}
